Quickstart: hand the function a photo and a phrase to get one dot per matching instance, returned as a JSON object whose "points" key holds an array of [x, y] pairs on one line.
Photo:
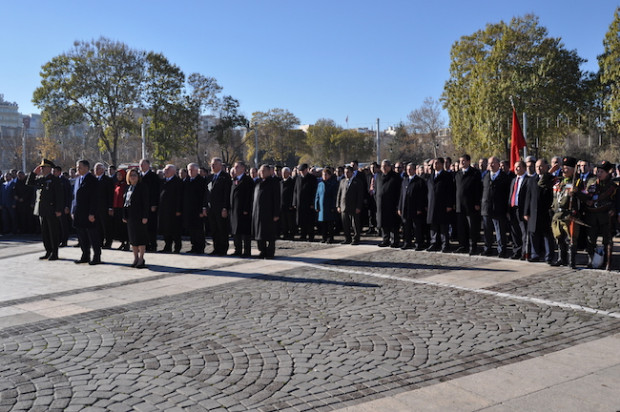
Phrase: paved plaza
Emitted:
{"points": [[320, 327]]}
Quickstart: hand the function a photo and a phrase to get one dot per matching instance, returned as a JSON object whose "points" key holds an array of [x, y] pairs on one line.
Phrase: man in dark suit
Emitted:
{"points": [[49, 206], [170, 209], [349, 203], [441, 199], [194, 208], [241, 196], [468, 182], [303, 202], [65, 219], [412, 208], [266, 212], [539, 198], [516, 207], [84, 210], [388, 192], [218, 205], [287, 213], [105, 211], [151, 180], [494, 207]]}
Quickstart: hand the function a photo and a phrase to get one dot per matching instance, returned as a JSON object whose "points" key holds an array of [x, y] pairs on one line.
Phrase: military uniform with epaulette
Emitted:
{"points": [[48, 206], [600, 202], [564, 208]]}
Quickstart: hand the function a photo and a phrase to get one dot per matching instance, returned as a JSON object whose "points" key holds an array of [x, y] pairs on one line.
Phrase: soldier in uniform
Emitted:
{"points": [[600, 201], [49, 206], [564, 208]]}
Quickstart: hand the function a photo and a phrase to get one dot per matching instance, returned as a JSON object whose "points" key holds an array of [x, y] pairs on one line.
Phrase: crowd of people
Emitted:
{"points": [[536, 211]]}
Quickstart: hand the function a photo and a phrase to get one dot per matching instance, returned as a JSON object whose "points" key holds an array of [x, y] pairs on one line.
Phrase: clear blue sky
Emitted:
{"points": [[318, 59]]}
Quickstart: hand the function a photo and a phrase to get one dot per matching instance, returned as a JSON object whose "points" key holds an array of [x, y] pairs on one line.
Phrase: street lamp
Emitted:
{"points": [[256, 144]]}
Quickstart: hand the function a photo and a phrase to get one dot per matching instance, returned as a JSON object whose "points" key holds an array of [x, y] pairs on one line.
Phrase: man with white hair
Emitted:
{"points": [[287, 212], [170, 209]]}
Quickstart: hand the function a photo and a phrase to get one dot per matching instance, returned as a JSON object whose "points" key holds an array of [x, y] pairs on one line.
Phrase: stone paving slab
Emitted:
{"points": [[318, 328]]}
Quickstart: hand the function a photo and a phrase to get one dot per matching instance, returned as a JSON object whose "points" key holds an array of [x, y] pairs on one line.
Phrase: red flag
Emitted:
{"points": [[518, 141]]}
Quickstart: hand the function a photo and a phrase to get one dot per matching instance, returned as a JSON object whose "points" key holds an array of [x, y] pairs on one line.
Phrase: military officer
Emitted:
{"points": [[564, 208], [600, 201], [49, 206]]}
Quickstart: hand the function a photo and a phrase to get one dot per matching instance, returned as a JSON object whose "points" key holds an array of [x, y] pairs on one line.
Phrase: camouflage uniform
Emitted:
{"points": [[563, 225]]}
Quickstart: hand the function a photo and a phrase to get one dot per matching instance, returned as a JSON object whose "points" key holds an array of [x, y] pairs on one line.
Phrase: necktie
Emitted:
{"points": [[514, 192]]}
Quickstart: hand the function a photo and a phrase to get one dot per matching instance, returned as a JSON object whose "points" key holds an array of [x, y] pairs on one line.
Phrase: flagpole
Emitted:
{"points": [[524, 129]]}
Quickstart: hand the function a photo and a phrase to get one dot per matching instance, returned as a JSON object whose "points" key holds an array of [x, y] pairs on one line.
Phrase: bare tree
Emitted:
{"points": [[427, 120]]}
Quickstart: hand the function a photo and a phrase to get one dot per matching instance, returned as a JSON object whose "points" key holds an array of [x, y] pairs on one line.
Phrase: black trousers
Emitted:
{"points": [[151, 227], [89, 237], [219, 231], [197, 237], [440, 235], [414, 226], [287, 223], [468, 230], [50, 231], [351, 221], [267, 248], [518, 232], [243, 244]]}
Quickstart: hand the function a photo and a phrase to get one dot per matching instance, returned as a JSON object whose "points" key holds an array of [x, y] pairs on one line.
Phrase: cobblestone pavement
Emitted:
{"points": [[318, 335]]}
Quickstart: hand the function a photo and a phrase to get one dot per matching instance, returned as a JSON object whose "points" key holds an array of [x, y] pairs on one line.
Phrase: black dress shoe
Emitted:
{"points": [[53, 256], [461, 249], [83, 260], [141, 265], [345, 242], [503, 255], [407, 246], [557, 263], [419, 249], [235, 253], [355, 243], [533, 260], [165, 250], [515, 256], [395, 246], [383, 244], [474, 251], [487, 252], [445, 250], [433, 248], [94, 262], [45, 256]]}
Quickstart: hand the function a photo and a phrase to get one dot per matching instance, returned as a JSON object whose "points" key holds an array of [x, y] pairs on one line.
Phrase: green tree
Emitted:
{"points": [[278, 142], [97, 82], [169, 117], [503, 60], [609, 64], [353, 145], [322, 143]]}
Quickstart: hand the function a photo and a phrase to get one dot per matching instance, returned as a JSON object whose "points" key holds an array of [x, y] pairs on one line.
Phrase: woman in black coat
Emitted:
{"points": [[136, 210]]}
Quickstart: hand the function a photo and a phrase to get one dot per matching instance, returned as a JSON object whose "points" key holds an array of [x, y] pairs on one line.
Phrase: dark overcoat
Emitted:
{"points": [[538, 200], [193, 201], [388, 193], [468, 191], [303, 197], [241, 196], [441, 195], [170, 203], [495, 195], [266, 206], [413, 198]]}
